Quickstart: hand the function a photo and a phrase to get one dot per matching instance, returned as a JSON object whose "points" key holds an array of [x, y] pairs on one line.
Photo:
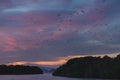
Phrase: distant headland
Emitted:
{"points": [[19, 70], [91, 67]]}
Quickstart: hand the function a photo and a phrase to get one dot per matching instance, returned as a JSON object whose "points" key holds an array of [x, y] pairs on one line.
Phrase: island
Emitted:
{"points": [[91, 67], [19, 70]]}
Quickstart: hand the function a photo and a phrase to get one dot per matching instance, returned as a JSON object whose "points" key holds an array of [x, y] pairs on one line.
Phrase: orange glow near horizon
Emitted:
{"points": [[50, 63], [60, 61], [18, 63], [44, 63]]}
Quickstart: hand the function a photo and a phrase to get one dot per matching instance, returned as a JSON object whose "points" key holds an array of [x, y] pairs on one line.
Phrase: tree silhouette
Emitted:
{"points": [[19, 69], [91, 67]]}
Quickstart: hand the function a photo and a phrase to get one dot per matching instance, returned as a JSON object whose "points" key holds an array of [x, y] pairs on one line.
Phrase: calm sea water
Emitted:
{"points": [[39, 77]]}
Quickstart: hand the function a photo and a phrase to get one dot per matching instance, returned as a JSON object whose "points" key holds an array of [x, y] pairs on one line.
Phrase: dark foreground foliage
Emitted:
{"points": [[19, 69], [91, 67]]}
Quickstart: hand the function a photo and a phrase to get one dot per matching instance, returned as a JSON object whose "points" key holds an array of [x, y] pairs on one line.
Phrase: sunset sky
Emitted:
{"points": [[48, 32]]}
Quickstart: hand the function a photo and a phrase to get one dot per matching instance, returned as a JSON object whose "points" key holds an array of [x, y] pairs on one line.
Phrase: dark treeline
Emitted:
{"points": [[91, 67], [19, 69]]}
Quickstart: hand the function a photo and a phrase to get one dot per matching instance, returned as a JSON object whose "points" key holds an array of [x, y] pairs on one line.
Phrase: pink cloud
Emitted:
{"points": [[35, 18], [12, 43], [7, 43], [36, 25]]}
